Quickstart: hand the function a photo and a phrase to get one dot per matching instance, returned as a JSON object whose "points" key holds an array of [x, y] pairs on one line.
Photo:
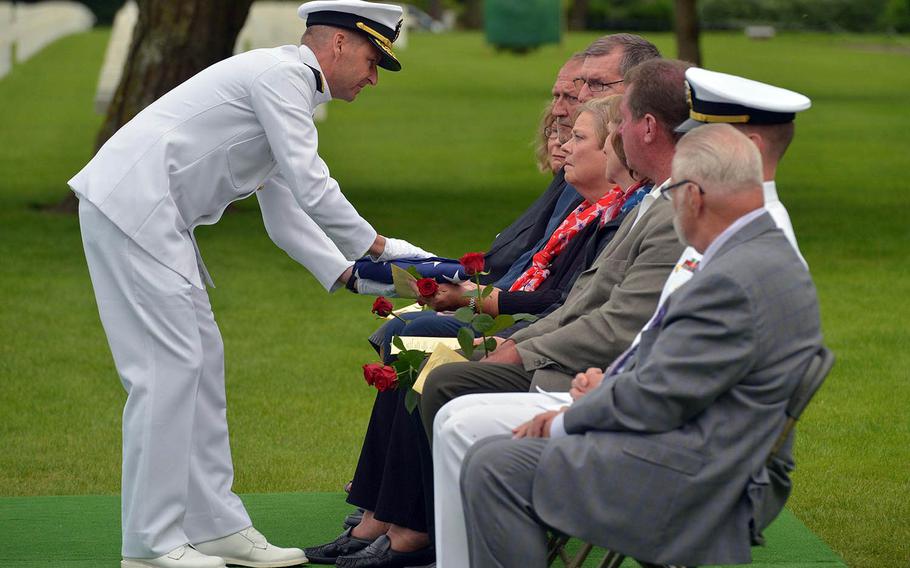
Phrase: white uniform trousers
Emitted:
{"points": [[177, 470], [458, 425]]}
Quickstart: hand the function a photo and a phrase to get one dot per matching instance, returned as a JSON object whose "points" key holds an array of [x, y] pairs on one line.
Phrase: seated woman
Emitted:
{"points": [[542, 281], [395, 465]]}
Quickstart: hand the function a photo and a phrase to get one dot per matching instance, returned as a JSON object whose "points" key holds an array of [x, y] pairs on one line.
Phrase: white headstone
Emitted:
{"points": [[760, 32], [6, 38], [115, 56], [37, 25]]}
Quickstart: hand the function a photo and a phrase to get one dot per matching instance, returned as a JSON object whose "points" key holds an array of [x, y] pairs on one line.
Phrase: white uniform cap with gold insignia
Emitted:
{"points": [[719, 97], [379, 22]]}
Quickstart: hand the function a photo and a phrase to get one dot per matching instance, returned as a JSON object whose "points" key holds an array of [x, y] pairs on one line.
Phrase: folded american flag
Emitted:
{"points": [[443, 270]]}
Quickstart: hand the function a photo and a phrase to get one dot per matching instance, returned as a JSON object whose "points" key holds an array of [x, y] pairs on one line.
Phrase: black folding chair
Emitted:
{"points": [[811, 381]]}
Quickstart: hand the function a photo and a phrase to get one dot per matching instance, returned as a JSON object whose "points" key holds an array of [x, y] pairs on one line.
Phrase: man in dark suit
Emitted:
{"points": [[665, 457]]}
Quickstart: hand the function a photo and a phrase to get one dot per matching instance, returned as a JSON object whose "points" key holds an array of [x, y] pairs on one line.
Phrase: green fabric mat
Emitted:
{"points": [[84, 531]]}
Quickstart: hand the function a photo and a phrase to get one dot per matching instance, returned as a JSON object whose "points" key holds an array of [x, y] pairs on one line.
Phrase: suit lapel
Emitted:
{"points": [[762, 224]]}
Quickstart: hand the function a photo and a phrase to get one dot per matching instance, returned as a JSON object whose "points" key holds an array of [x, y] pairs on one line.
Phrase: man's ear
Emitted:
{"points": [[650, 128], [338, 43], [695, 200], [759, 142]]}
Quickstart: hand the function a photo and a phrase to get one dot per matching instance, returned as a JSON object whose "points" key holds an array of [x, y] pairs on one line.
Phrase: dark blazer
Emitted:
{"points": [[524, 232], [666, 460]]}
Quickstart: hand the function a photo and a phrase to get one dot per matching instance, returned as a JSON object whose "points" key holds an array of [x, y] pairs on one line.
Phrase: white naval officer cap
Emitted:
{"points": [[719, 97], [381, 23]]}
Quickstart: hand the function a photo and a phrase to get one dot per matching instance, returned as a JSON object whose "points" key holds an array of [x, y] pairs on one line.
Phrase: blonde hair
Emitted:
{"points": [[605, 111]]}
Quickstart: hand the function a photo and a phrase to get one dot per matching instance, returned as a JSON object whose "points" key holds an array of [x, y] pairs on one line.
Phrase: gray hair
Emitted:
{"points": [[635, 49], [720, 157]]}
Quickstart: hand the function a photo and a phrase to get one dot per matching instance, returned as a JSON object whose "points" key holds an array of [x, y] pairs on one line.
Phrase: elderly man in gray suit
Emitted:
{"points": [[665, 457]]}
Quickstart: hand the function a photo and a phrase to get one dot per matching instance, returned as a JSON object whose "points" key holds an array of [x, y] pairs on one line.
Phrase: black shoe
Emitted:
{"points": [[380, 555], [344, 545], [354, 518]]}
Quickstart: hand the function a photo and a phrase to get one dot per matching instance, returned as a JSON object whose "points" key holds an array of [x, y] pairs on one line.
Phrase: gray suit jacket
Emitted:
{"points": [[609, 303], [666, 460]]}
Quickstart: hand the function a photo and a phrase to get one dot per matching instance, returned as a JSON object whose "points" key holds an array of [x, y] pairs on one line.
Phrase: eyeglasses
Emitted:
{"points": [[665, 192], [563, 132], [594, 85], [549, 132]]}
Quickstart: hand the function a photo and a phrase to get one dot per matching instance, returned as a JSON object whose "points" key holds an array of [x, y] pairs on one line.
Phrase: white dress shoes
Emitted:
{"points": [[181, 557], [249, 548]]}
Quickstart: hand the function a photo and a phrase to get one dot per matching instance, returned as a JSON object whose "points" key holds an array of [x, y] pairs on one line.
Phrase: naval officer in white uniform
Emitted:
{"points": [[762, 112], [242, 125]]}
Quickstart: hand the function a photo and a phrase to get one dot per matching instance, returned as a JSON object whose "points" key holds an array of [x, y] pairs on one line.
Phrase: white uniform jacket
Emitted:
{"points": [[781, 217], [243, 124]]}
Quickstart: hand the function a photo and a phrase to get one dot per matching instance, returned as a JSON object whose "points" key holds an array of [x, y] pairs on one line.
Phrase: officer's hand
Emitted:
{"points": [[374, 288], [397, 248]]}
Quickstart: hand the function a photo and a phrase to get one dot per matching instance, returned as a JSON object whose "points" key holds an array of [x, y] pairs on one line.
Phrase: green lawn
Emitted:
{"points": [[440, 154]]}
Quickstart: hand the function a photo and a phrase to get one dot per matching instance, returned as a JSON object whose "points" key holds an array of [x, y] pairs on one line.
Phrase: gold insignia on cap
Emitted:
{"points": [[384, 42], [702, 117], [733, 118]]}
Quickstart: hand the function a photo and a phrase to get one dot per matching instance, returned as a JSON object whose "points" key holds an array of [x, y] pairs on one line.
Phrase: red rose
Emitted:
{"points": [[380, 376], [472, 262], [370, 371], [386, 379], [382, 307], [427, 286]]}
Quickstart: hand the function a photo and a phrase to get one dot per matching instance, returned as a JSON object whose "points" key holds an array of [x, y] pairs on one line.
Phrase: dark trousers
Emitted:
{"points": [[389, 479], [394, 475]]}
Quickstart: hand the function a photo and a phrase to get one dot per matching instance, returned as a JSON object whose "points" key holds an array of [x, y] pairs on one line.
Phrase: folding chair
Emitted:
{"points": [[819, 367]]}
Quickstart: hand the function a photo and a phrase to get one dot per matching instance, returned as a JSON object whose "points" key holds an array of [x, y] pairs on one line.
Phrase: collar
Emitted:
{"points": [[308, 58], [648, 200], [729, 232], [769, 189]]}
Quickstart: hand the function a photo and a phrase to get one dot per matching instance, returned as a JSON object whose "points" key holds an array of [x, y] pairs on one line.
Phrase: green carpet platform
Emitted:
{"points": [[84, 531]]}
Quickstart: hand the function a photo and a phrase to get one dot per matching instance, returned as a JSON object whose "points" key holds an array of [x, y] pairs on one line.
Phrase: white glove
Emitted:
{"points": [[397, 248], [374, 288]]}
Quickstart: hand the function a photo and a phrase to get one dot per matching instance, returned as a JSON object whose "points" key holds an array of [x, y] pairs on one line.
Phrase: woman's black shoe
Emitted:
{"points": [[379, 554], [344, 545], [353, 519]]}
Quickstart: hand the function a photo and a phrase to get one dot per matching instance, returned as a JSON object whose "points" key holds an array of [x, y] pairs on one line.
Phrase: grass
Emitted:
{"points": [[440, 154]]}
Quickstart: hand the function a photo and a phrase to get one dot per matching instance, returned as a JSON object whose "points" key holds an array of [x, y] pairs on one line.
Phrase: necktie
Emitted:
{"points": [[619, 363]]}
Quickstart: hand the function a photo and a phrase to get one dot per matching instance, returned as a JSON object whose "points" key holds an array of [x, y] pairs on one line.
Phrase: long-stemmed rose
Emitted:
{"points": [[403, 371], [484, 324], [382, 307], [383, 377], [472, 262]]}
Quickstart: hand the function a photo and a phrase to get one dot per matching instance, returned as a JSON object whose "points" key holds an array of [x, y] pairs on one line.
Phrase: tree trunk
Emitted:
{"points": [[686, 25], [578, 15], [434, 9], [472, 17], [173, 40]]}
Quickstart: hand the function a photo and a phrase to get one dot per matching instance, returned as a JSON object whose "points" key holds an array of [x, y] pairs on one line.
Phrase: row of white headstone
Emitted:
{"points": [[269, 24], [26, 28]]}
